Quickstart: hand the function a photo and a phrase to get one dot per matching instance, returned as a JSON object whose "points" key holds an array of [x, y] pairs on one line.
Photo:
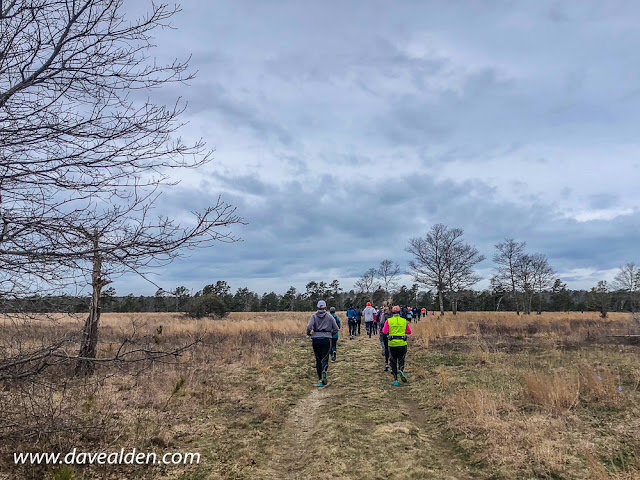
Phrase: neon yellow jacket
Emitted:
{"points": [[398, 329]]}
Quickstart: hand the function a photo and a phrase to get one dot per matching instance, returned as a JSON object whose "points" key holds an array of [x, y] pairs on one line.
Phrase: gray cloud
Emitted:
{"points": [[603, 200], [341, 131]]}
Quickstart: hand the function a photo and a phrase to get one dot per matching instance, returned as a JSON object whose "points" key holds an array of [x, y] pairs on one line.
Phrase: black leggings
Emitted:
{"points": [[384, 341], [352, 327], [334, 343], [321, 349], [397, 355], [359, 323]]}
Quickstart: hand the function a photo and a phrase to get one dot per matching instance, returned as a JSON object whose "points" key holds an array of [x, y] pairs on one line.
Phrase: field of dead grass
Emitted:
{"points": [[163, 406], [538, 396]]}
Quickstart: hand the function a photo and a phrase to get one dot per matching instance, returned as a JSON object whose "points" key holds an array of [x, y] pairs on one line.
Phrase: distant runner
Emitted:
{"points": [[358, 319], [351, 320], [384, 314], [321, 327], [398, 328], [424, 312], [334, 338], [368, 318], [376, 319]]}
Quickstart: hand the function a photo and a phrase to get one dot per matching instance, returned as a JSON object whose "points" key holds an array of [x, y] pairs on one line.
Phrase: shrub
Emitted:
{"points": [[555, 393], [207, 306]]}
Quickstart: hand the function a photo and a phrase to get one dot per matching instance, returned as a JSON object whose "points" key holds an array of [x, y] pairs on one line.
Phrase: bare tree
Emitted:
{"points": [[506, 258], [628, 280], [429, 266], [460, 260], [71, 127], [443, 261], [498, 290], [83, 155], [524, 274], [542, 276], [130, 240], [388, 272], [366, 283]]}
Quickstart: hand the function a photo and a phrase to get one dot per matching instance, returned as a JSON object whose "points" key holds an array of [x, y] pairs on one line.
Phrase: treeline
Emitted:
{"points": [[443, 273], [557, 298]]}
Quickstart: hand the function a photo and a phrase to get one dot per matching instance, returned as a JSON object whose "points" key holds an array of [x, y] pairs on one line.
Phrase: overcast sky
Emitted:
{"points": [[341, 129]]}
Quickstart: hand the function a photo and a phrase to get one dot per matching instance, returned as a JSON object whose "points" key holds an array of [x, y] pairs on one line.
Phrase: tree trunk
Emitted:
{"points": [[454, 305], [441, 302], [89, 345], [540, 303]]}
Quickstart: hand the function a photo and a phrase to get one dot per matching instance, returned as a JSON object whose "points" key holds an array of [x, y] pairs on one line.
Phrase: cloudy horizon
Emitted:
{"points": [[342, 129]]}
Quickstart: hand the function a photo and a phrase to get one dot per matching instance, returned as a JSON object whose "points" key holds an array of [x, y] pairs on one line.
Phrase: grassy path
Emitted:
{"points": [[360, 426]]}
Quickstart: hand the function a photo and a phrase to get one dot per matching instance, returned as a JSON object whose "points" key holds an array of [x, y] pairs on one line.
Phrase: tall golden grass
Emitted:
{"points": [[574, 324], [555, 393], [523, 424]]}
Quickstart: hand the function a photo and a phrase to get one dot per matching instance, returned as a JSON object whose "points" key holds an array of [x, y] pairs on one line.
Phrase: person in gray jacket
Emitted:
{"points": [[321, 327], [368, 318]]}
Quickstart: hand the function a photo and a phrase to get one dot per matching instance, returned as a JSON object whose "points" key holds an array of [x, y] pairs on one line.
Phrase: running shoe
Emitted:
{"points": [[324, 379], [386, 368], [333, 357], [402, 376], [320, 384], [395, 384]]}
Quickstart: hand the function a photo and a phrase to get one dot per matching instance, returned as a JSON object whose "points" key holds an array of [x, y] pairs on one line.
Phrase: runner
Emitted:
{"points": [[358, 319], [409, 315], [383, 336], [368, 318], [398, 328], [424, 312], [321, 327], [376, 319], [351, 320], [416, 313], [334, 338]]}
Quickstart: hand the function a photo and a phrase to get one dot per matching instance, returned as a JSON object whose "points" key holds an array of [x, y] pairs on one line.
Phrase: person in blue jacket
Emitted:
{"points": [[334, 338], [351, 319], [358, 319]]}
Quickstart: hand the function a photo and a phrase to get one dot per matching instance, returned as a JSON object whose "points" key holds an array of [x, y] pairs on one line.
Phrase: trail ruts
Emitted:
{"points": [[361, 427]]}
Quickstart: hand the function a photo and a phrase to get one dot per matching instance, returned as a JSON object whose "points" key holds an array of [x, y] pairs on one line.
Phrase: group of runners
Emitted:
{"points": [[393, 323], [372, 318]]}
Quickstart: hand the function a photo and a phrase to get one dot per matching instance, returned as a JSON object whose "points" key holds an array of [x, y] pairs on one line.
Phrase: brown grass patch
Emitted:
{"points": [[555, 393]]}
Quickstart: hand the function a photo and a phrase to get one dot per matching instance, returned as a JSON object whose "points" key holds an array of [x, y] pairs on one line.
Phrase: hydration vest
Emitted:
{"points": [[397, 331]]}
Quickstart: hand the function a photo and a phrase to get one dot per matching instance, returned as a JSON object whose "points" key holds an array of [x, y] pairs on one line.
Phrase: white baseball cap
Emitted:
{"points": [[322, 304]]}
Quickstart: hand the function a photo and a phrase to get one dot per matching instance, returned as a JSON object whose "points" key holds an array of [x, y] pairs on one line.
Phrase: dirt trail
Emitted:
{"points": [[360, 426]]}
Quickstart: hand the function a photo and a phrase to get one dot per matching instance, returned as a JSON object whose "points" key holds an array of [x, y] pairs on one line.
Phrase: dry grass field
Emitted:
{"points": [[490, 396]]}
